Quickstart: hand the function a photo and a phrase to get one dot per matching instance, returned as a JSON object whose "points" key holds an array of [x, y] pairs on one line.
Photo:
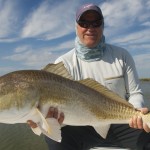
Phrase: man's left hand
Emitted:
{"points": [[137, 122]]}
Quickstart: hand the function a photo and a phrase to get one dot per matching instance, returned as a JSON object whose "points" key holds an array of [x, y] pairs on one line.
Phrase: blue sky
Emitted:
{"points": [[34, 33]]}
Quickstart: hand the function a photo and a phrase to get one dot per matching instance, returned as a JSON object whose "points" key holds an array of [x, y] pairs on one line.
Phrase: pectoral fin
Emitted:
{"points": [[53, 131], [49, 127], [37, 131], [102, 129]]}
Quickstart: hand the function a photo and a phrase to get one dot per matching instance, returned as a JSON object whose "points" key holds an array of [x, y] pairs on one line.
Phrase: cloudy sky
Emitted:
{"points": [[34, 33]]}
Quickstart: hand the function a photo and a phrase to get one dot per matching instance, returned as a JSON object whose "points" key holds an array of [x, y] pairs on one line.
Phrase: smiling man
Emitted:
{"points": [[114, 68], [88, 29]]}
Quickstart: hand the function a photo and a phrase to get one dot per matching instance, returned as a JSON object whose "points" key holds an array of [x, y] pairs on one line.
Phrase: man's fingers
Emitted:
{"points": [[55, 114], [144, 110], [61, 118], [136, 122], [52, 113], [134, 119], [139, 122], [31, 124], [131, 123]]}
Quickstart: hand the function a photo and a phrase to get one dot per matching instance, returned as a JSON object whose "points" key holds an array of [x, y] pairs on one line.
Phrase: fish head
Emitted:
{"points": [[16, 98]]}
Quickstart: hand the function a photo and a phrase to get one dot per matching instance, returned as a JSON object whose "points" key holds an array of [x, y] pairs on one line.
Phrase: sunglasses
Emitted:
{"points": [[87, 24]]}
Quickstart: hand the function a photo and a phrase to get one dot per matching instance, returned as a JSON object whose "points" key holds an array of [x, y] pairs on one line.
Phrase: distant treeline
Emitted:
{"points": [[145, 79]]}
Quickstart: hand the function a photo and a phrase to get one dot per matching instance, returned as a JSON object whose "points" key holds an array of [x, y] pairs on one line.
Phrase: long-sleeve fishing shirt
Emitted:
{"points": [[116, 70]]}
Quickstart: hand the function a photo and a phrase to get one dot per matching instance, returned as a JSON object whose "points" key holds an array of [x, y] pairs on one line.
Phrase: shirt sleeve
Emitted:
{"points": [[134, 92], [59, 59]]}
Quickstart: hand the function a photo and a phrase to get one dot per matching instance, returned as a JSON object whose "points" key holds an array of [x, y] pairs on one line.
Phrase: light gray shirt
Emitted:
{"points": [[116, 70]]}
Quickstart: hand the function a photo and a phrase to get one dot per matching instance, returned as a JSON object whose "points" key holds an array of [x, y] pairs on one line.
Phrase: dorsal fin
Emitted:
{"points": [[58, 69], [104, 91]]}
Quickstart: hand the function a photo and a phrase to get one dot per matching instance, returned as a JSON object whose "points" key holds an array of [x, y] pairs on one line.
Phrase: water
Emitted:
{"points": [[20, 136], [145, 85]]}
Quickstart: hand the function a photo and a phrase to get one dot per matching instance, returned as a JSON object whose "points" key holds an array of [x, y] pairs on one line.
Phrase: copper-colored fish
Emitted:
{"points": [[84, 102]]}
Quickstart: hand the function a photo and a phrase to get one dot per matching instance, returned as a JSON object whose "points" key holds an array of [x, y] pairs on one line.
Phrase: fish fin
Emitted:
{"points": [[49, 127], [102, 130], [37, 130], [104, 91], [58, 69], [55, 133]]}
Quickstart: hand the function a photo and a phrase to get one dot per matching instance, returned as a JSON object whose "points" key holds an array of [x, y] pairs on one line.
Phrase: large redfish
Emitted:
{"points": [[84, 102]]}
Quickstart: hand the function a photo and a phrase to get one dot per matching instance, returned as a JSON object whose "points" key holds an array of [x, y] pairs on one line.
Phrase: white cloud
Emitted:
{"points": [[31, 58], [8, 18], [124, 16], [50, 22], [22, 48], [147, 23], [142, 47], [9, 40], [135, 37], [118, 12], [18, 56], [37, 59], [66, 45]]}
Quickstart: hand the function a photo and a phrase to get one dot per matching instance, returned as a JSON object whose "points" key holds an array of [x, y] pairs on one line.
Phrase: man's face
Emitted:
{"points": [[90, 36]]}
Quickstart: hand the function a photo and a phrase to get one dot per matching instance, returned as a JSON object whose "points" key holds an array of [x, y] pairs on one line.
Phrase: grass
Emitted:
{"points": [[145, 79]]}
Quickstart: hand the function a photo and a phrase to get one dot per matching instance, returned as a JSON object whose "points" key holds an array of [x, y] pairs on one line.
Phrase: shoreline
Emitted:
{"points": [[145, 79]]}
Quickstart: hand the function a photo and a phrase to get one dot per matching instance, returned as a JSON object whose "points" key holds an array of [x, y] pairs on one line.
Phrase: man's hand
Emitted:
{"points": [[52, 113], [137, 122]]}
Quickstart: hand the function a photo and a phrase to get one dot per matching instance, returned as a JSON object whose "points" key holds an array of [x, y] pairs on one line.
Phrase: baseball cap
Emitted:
{"points": [[87, 7]]}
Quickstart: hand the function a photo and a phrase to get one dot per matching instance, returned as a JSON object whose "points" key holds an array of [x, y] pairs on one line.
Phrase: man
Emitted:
{"points": [[114, 68]]}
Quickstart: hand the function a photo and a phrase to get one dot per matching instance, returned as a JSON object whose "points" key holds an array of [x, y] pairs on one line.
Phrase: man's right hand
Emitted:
{"points": [[52, 113]]}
